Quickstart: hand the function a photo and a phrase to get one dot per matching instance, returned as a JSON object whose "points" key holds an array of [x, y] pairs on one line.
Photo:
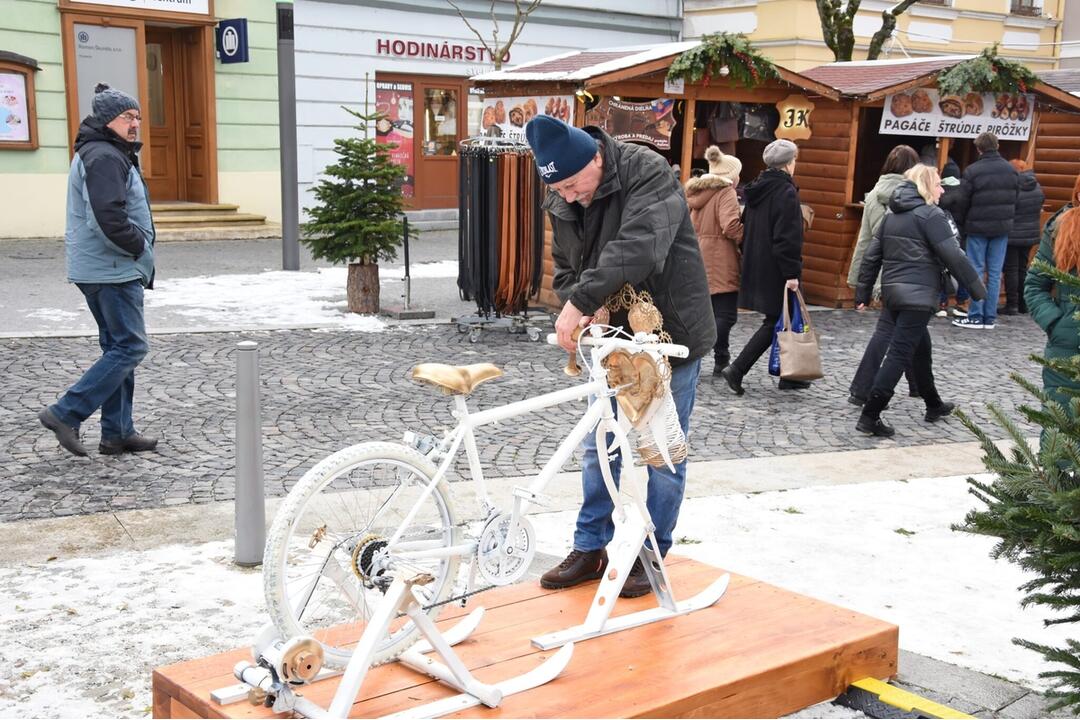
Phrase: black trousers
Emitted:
{"points": [[725, 312], [1015, 269], [874, 353], [909, 347], [756, 346]]}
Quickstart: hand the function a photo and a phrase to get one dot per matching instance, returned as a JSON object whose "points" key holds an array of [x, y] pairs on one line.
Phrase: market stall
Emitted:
{"points": [[836, 113]]}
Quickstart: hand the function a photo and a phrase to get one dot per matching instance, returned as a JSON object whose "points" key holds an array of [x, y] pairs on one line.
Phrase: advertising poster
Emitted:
{"points": [[924, 112], [650, 122], [506, 116], [14, 112], [394, 102]]}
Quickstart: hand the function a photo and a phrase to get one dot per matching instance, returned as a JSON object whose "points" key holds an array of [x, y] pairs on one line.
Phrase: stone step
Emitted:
{"points": [[189, 207], [196, 219], [439, 215], [219, 232]]}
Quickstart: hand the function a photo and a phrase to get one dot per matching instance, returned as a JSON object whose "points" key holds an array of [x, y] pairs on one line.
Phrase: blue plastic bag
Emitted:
{"points": [[796, 325]]}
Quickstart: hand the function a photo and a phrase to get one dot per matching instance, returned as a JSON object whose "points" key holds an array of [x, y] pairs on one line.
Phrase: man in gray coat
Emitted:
{"points": [[110, 257], [618, 215]]}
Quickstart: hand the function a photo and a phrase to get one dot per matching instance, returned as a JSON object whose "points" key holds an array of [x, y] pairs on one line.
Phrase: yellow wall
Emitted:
{"points": [[46, 193], [254, 192], [789, 31]]}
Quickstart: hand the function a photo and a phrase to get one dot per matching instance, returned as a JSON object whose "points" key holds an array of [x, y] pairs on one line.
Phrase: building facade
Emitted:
{"points": [[789, 31], [209, 131], [411, 60], [1070, 36]]}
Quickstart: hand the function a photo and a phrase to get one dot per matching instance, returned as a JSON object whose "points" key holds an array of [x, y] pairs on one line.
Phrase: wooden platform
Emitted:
{"points": [[759, 652]]}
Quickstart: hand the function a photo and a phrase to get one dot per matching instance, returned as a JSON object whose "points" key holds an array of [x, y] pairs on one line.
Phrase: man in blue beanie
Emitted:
{"points": [[619, 215], [110, 258]]}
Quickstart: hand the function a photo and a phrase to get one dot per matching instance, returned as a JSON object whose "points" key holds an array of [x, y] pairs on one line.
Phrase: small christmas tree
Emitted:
{"points": [[358, 216], [1033, 506]]}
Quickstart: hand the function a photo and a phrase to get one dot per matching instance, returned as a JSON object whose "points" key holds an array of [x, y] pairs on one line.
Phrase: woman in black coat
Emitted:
{"points": [[1023, 236], [916, 242], [772, 255]]}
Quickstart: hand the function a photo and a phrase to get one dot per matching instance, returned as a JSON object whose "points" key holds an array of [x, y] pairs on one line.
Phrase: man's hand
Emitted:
{"points": [[569, 320], [792, 284]]}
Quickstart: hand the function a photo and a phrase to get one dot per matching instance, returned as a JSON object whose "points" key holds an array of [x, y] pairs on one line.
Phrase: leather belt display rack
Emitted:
{"points": [[500, 234]]}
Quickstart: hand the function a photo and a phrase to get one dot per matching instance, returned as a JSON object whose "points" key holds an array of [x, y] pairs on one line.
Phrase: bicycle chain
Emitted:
{"points": [[463, 596]]}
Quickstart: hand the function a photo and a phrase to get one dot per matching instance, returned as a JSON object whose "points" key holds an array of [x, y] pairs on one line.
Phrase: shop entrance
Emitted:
{"points": [[174, 121]]}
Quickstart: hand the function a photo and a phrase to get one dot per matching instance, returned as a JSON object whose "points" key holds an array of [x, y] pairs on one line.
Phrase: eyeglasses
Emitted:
{"points": [[130, 117]]}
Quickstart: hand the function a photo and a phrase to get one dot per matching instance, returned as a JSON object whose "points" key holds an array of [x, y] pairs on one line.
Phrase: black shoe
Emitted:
{"points": [[65, 434], [132, 443], [578, 567], [914, 394], [1007, 310], [733, 379], [856, 400], [793, 385], [936, 413], [637, 582], [720, 363], [875, 427]]}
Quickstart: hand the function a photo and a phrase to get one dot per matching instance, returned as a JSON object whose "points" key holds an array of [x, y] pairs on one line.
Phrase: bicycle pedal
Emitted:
{"points": [[534, 498]]}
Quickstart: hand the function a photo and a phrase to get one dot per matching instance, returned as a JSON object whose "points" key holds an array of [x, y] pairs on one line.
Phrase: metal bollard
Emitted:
{"points": [[250, 502], [405, 248]]}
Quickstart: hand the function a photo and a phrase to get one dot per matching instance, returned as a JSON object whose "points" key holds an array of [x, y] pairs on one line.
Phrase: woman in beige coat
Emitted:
{"points": [[714, 210]]}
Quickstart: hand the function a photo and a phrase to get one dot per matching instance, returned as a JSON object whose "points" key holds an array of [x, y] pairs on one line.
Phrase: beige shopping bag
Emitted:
{"points": [[800, 356]]}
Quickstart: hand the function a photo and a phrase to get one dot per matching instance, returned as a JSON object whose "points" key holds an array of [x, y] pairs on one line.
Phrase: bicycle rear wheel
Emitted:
{"points": [[328, 564]]}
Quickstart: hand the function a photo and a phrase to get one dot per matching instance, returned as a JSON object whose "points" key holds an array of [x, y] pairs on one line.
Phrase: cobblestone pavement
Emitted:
{"points": [[323, 390]]}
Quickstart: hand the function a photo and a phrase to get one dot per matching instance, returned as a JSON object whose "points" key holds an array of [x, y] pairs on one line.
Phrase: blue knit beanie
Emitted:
{"points": [[560, 150], [108, 103]]}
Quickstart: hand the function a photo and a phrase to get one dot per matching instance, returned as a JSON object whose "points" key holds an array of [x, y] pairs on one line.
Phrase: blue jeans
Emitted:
{"points": [[987, 255], [595, 527], [109, 384]]}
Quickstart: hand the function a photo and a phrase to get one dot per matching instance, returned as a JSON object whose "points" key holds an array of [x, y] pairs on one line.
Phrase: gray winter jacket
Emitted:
{"points": [[914, 244], [877, 202], [635, 230]]}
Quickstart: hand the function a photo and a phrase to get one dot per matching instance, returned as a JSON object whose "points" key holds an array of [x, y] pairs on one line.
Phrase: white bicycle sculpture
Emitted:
{"points": [[364, 524]]}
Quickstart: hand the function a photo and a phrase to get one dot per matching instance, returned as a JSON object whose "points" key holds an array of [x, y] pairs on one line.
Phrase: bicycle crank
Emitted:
{"points": [[502, 560]]}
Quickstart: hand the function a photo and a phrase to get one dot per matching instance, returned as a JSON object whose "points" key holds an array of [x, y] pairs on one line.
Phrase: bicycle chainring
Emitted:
{"points": [[500, 562]]}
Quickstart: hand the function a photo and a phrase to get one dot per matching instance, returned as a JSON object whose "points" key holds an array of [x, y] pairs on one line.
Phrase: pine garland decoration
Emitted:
{"points": [[987, 72], [358, 214], [1033, 508], [746, 66]]}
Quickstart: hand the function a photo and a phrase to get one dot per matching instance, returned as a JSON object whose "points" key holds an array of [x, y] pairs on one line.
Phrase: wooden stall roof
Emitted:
{"points": [[594, 68]]}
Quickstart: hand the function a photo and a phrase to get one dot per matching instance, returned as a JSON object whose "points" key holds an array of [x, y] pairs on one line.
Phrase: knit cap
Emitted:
{"points": [[727, 166], [560, 150], [779, 153], [108, 103]]}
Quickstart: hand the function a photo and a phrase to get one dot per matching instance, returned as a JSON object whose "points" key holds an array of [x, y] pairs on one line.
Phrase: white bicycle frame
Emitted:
{"points": [[599, 415]]}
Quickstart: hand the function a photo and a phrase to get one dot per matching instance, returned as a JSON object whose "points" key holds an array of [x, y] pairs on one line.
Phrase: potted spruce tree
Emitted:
{"points": [[357, 219]]}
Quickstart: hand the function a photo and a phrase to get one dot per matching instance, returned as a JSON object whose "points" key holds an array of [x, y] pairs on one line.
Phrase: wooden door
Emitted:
{"points": [[440, 107], [196, 128], [161, 132]]}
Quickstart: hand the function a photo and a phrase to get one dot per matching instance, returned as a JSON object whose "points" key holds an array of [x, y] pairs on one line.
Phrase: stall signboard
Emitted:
{"points": [[650, 122], [794, 118], [394, 104], [104, 52], [200, 7], [924, 112], [507, 116], [14, 109]]}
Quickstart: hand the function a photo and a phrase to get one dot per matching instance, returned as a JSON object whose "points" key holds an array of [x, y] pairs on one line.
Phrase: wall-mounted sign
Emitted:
{"points": [[647, 122], [445, 50], [195, 7], [394, 104], [232, 40], [104, 54], [794, 118], [925, 113], [14, 108], [674, 87]]}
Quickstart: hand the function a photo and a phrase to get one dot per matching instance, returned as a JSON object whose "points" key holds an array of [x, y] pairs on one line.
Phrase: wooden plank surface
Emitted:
{"points": [[760, 652]]}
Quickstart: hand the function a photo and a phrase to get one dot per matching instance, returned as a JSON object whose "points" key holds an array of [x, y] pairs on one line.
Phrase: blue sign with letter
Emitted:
{"points": [[232, 40]]}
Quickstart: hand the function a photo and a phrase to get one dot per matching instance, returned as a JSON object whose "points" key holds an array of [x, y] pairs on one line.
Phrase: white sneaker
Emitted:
{"points": [[941, 313], [968, 323], [987, 325], [957, 312]]}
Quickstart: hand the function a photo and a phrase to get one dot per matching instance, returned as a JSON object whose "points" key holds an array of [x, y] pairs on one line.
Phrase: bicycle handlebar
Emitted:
{"points": [[648, 342]]}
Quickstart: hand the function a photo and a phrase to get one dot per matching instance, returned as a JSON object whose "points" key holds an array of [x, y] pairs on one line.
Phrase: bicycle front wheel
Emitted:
{"points": [[328, 562]]}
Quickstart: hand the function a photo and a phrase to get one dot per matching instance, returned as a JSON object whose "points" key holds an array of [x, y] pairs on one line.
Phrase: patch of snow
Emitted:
{"points": [[56, 314]]}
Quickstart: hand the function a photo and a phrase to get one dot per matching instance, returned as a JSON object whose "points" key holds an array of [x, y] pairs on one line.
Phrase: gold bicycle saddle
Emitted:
{"points": [[455, 379]]}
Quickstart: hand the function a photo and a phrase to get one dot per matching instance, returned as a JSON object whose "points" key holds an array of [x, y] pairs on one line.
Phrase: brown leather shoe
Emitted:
{"points": [[637, 582], [578, 567]]}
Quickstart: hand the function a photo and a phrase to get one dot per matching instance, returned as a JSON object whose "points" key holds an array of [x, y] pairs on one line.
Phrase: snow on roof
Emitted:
{"points": [[1067, 80], [863, 77], [585, 64]]}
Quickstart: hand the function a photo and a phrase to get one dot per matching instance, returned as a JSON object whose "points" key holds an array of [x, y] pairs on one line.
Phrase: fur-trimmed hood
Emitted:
{"points": [[701, 188]]}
